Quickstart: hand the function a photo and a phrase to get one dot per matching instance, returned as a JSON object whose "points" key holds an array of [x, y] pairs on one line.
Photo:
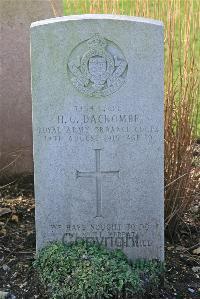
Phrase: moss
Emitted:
{"points": [[85, 270]]}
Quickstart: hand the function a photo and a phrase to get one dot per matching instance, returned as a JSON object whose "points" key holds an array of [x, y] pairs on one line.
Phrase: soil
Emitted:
{"points": [[17, 249]]}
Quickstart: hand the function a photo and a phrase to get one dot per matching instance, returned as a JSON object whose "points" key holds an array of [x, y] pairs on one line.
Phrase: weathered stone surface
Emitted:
{"points": [[97, 88]]}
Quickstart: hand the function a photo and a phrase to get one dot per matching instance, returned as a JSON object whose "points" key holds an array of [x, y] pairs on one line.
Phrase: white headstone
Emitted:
{"points": [[97, 88]]}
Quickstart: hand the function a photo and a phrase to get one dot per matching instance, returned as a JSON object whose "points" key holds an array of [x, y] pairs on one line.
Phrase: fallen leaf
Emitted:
{"points": [[196, 251], [4, 211], [170, 248], [30, 232], [180, 248]]}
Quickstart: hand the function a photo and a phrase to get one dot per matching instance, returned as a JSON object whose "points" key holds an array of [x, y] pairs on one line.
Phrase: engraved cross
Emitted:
{"points": [[98, 175]]}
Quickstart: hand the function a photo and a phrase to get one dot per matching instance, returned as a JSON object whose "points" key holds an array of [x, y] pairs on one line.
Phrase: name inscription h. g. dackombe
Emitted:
{"points": [[98, 174], [83, 126]]}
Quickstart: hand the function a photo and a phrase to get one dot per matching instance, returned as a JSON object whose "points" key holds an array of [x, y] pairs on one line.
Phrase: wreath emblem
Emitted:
{"points": [[99, 71]]}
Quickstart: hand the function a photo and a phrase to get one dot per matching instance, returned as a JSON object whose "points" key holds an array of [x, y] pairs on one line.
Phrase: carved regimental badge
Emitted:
{"points": [[97, 67]]}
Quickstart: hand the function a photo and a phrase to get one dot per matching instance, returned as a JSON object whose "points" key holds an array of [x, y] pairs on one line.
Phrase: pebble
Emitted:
{"points": [[5, 267], [196, 269]]}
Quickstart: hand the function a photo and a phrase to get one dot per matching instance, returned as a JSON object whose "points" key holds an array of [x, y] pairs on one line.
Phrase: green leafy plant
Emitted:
{"points": [[85, 270]]}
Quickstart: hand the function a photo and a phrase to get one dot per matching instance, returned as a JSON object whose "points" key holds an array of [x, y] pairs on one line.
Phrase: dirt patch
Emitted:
{"points": [[17, 249]]}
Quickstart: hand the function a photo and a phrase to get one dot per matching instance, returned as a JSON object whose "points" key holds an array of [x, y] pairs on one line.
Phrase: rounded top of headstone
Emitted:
{"points": [[97, 17]]}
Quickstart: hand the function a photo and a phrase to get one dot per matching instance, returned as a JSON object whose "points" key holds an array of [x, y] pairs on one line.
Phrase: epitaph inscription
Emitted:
{"points": [[98, 174], [97, 67]]}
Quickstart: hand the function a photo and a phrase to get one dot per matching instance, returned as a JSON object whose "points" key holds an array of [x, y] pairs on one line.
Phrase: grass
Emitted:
{"points": [[181, 19]]}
